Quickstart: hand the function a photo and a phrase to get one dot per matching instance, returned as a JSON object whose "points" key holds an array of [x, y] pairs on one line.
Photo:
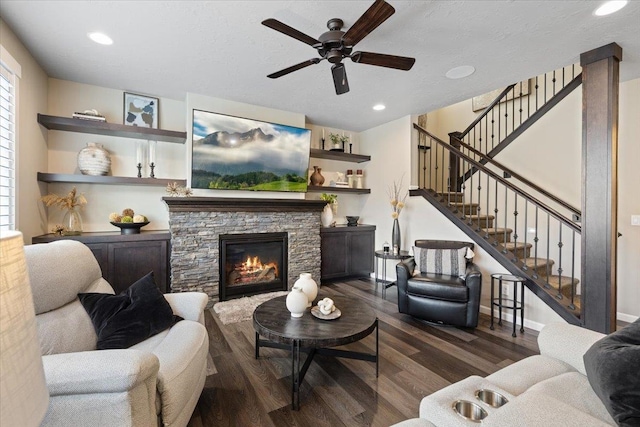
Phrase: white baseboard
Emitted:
{"points": [[626, 317], [527, 323]]}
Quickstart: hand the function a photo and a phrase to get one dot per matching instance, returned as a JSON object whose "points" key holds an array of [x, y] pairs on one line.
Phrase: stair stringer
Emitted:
{"points": [[514, 266]]}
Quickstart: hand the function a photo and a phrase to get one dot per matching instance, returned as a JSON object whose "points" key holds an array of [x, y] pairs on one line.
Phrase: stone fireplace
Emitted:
{"points": [[197, 224]]}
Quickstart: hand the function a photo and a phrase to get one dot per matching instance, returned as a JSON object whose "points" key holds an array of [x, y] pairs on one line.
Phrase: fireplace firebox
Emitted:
{"points": [[252, 263]]}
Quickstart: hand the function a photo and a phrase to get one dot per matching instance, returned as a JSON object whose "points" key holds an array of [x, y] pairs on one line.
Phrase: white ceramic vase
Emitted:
{"points": [[297, 302], [94, 160], [326, 217], [308, 286]]}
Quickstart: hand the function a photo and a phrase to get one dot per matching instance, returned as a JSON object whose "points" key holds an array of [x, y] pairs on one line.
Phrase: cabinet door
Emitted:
{"points": [[130, 261], [361, 252], [334, 252]]}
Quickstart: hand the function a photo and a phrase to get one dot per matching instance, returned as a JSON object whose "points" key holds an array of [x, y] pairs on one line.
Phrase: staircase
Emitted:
{"points": [[535, 239]]}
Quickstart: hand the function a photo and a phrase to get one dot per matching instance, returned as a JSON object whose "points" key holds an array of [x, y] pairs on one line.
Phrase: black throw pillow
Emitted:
{"points": [[123, 320], [613, 369]]}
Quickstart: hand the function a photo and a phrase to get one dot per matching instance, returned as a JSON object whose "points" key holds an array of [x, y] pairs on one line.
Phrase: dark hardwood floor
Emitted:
{"points": [[416, 359]]}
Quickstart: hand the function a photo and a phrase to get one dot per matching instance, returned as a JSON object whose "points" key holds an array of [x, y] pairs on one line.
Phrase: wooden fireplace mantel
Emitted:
{"points": [[225, 204]]}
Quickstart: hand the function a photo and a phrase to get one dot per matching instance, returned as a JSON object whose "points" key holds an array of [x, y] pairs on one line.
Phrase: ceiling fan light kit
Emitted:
{"points": [[335, 45]]}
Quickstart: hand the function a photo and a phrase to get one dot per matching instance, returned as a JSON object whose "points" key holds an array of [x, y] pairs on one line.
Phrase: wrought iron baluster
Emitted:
{"points": [[435, 172], [572, 305], [479, 207], [493, 121], [515, 226], [554, 82], [545, 88], [536, 97], [513, 110], [487, 205], [521, 96], [499, 125], [495, 221], [442, 172], [506, 196], [560, 244], [526, 227], [535, 246], [548, 267], [479, 139], [471, 196]]}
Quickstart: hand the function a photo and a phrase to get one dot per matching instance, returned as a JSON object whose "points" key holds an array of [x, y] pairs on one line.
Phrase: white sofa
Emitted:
{"points": [[155, 382], [550, 389]]}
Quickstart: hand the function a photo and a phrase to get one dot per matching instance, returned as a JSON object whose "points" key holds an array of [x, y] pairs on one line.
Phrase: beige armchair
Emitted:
{"points": [[155, 382]]}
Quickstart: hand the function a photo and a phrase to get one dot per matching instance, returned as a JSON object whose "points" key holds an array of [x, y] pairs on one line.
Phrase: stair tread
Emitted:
{"points": [[531, 262], [519, 245], [481, 216], [462, 204], [496, 230], [565, 281]]}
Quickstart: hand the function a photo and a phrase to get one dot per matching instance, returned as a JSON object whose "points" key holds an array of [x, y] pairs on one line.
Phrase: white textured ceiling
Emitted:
{"points": [[220, 49]]}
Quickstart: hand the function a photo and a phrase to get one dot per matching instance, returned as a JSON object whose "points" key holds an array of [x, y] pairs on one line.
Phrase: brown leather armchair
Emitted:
{"points": [[440, 298]]}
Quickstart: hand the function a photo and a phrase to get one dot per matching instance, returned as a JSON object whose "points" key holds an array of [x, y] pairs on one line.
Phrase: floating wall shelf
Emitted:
{"points": [[338, 155], [110, 129], [322, 189], [107, 180]]}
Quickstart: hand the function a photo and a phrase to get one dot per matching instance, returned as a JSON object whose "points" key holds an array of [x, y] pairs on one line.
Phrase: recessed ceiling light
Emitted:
{"points": [[610, 7], [100, 38], [379, 107], [460, 72]]}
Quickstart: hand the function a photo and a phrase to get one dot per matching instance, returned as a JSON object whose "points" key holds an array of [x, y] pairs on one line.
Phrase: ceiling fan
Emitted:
{"points": [[335, 45]]}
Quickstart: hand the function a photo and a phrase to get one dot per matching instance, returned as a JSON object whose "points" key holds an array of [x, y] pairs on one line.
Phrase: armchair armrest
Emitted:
{"points": [[567, 342], [473, 281], [100, 371], [188, 305], [404, 272]]}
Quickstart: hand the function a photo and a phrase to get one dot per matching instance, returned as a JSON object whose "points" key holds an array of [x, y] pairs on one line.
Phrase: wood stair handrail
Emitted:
{"points": [[519, 177], [502, 181], [486, 110]]}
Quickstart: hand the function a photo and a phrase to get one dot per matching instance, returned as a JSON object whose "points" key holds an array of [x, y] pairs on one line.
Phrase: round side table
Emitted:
{"points": [[508, 303], [384, 256]]}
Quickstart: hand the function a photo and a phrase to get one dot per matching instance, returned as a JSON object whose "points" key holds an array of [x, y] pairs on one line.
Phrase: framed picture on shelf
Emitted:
{"points": [[141, 110]]}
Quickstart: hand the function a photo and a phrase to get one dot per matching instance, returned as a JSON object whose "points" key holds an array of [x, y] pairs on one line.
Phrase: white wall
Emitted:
{"points": [[32, 141]]}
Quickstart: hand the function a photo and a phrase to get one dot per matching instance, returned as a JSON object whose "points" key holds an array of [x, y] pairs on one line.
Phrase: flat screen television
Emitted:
{"points": [[233, 153]]}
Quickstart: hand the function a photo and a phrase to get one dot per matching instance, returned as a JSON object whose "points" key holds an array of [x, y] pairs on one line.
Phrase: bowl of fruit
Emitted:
{"points": [[128, 222]]}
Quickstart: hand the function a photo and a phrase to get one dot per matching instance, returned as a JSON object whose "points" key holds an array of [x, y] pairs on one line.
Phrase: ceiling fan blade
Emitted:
{"points": [[340, 78], [382, 60], [289, 31], [293, 68], [379, 12]]}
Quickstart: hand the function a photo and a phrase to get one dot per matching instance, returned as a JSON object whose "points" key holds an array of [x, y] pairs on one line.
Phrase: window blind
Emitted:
{"points": [[7, 149]]}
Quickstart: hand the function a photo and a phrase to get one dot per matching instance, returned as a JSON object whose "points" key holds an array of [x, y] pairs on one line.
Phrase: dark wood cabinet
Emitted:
{"points": [[347, 251], [124, 259]]}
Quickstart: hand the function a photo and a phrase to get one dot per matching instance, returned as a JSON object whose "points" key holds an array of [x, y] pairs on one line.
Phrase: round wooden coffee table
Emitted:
{"points": [[311, 335]]}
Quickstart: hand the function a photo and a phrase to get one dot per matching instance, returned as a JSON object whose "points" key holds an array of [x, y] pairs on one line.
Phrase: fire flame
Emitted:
{"points": [[253, 264]]}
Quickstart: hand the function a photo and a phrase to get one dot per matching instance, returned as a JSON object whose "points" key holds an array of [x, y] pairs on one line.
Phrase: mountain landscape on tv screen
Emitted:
{"points": [[263, 157]]}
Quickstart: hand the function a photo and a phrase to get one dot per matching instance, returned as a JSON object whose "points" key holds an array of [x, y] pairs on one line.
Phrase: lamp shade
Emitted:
{"points": [[23, 391]]}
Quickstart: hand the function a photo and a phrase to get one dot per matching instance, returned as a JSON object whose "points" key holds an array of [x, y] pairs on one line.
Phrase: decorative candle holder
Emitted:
{"points": [[322, 140], [139, 166], [152, 158]]}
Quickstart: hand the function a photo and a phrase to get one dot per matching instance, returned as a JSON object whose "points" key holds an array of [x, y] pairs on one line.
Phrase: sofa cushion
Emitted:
{"points": [[438, 286], [612, 366], [539, 410], [520, 376], [130, 317], [450, 262], [573, 389]]}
